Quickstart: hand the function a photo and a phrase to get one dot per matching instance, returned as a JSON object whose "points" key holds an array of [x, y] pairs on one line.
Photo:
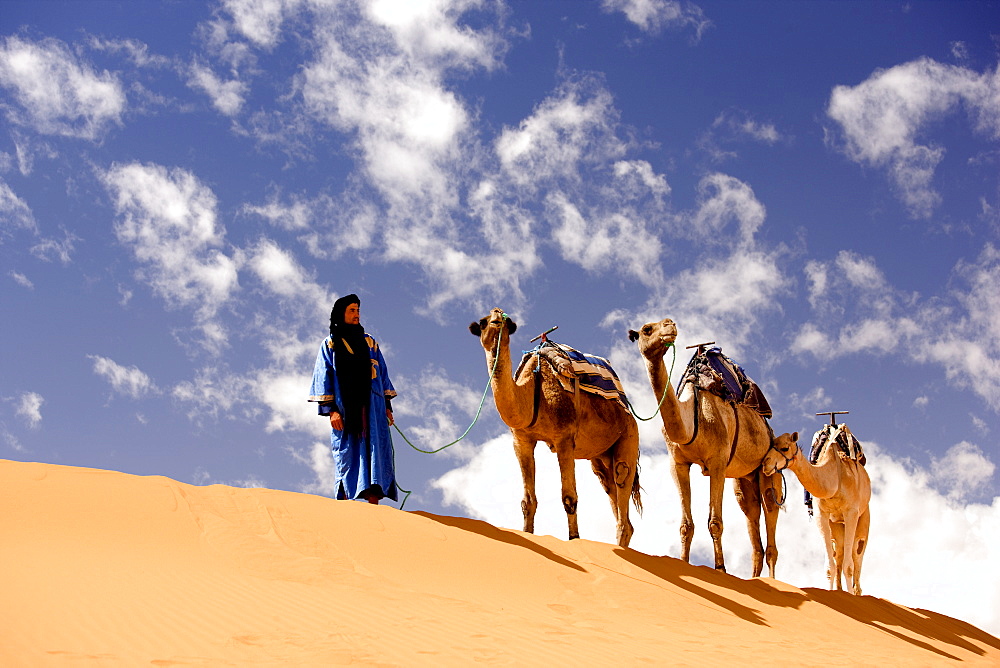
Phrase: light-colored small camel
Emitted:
{"points": [[699, 428], [842, 490], [577, 425]]}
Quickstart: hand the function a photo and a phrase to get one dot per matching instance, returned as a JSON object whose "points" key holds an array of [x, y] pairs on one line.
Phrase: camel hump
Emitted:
{"points": [[714, 372]]}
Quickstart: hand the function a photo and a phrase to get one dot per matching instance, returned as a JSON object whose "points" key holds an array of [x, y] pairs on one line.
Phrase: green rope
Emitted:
{"points": [[479, 411], [666, 389]]}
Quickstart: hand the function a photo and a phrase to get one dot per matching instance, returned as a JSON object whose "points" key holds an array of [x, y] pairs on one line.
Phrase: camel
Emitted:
{"points": [[842, 488], [575, 425], [726, 440]]}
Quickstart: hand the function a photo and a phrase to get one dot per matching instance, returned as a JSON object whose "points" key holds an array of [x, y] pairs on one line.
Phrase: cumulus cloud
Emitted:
{"points": [[29, 408], [963, 472], [733, 281], [129, 381], [55, 93], [882, 120], [652, 16], [571, 128], [168, 219], [857, 311]]}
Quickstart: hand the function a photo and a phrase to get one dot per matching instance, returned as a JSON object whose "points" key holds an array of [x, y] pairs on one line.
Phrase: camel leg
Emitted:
{"points": [[567, 472], [769, 497], [682, 478], [831, 561], [602, 467], [748, 496], [850, 533], [837, 546], [716, 485], [860, 545], [624, 483], [525, 451]]}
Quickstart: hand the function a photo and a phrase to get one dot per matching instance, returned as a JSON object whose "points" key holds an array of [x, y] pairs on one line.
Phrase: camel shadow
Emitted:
{"points": [[681, 574], [884, 615], [487, 530]]}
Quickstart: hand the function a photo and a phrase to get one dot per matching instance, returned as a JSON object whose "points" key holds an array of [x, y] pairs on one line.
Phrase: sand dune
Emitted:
{"points": [[108, 569]]}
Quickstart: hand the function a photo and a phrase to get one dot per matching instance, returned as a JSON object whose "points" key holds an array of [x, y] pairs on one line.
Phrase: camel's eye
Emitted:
{"points": [[647, 330], [482, 323]]}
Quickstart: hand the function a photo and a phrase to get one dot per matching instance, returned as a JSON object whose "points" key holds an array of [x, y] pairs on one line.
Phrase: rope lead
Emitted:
{"points": [[666, 388], [482, 401]]}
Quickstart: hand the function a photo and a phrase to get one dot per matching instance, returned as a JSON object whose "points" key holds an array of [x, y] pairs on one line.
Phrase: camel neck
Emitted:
{"points": [[513, 405], [821, 479], [670, 410]]}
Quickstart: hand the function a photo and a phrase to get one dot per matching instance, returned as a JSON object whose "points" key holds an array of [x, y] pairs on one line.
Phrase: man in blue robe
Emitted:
{"points": [[352, 387]]}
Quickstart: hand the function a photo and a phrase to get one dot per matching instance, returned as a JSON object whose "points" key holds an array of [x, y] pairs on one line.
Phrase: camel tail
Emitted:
{"points": [[636, 497]]}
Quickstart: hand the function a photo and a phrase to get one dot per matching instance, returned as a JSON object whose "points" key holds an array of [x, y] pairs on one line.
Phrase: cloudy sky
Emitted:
{"points": [[186, 187]]}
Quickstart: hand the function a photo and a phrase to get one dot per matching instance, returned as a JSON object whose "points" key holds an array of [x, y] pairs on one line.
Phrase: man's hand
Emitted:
{"points": [[336, 421], [388, 416]]}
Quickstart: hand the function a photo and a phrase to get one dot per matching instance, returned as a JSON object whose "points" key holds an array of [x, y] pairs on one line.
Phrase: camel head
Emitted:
{"points": [[654, 337], [488, 329], [784, 449]]}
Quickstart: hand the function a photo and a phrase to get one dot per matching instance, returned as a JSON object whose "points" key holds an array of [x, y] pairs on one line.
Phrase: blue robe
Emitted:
{"points": [[360, 461]]}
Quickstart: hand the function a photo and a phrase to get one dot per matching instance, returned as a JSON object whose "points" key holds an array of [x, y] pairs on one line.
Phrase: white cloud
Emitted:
{"points": [[55, 93], [572, 128], [430, 32], [130, 381], [21, 279], [390, 95], [282, 275], [733, 127], [723, 199], [29, 407], [915, 530], [48, 248], [652, 16], [137, 51], [857, 311], [168, 219], [227, 96], [15, 214], [963, 471], [212, 393], [882, 119], [259, 21], [605, 240]]}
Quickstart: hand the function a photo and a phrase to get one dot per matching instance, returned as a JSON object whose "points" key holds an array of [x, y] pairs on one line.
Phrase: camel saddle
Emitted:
{"points": [[713, 372], [576, 370], [841, 436]]}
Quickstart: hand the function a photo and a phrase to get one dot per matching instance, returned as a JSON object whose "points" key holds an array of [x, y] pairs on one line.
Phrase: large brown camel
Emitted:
{"points": [[727, 440], [575, 425], [842, 488]]}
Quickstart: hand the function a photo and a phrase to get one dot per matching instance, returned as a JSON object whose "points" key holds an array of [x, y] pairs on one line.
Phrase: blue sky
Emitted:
{"points": [[185, 188]]}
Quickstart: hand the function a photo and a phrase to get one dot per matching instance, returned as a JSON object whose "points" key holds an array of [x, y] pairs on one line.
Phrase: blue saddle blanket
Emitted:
{"points": [[712, 371], [591, 373]]}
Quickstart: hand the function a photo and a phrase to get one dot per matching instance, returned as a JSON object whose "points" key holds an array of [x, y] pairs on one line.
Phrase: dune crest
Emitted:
{"points": [[105, 568]]}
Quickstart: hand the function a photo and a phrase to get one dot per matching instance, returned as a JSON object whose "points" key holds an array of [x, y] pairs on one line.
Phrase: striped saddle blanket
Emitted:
{"points": [[576, 370]]}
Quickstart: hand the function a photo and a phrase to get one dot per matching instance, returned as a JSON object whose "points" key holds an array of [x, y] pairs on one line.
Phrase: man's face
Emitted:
{"points": [[352, 316]]}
